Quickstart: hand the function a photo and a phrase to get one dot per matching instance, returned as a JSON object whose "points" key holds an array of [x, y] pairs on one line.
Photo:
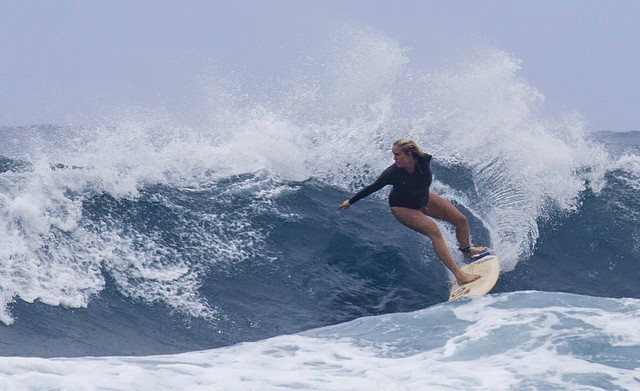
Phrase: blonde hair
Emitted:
{"points": [[409, 146]]}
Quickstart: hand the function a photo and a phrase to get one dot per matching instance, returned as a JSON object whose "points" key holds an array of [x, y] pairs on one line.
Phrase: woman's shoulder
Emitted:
{"points": [[425, 158], [390, 170]]}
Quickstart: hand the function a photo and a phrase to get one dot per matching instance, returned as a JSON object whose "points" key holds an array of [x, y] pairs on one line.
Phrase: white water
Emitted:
{"points": [[516, 341], [334, 123]]}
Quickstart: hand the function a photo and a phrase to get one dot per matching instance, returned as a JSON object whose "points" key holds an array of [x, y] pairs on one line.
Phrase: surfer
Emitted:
{"points": [[413, 205]]}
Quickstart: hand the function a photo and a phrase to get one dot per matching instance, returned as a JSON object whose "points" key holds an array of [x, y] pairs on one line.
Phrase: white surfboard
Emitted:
{"points": [[487, 266]]}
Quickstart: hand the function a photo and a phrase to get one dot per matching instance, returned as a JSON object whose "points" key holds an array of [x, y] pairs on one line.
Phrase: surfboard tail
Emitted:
{"points": [[487, 266]]}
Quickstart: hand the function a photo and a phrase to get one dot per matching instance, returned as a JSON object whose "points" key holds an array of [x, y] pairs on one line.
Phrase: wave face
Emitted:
{"points": [[174, 235], [514, 341]]}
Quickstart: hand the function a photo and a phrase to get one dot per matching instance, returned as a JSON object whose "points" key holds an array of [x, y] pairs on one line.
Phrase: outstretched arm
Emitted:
{"points": [[381, 182]]}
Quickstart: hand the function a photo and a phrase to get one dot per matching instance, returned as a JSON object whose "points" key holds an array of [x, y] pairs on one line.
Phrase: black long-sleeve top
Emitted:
{"points": [[410, 190]]}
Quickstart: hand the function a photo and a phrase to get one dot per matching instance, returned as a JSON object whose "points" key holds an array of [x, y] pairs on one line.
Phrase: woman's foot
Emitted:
{"points": [[465, 278], [469, 251]]}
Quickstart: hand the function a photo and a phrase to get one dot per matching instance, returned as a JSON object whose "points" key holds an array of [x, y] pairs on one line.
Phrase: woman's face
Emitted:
{"points": [[403, 160]]}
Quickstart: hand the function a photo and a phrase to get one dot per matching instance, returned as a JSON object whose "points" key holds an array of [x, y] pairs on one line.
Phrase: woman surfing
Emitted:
{"points": [[413, 205]]}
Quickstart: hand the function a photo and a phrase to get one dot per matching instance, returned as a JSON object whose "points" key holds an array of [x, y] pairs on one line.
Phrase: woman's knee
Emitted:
{"points": [[431, 231], [460, 220]]}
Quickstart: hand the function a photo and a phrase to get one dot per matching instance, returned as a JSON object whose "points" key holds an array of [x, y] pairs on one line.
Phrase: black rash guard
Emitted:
{"points": [[409, 190]]}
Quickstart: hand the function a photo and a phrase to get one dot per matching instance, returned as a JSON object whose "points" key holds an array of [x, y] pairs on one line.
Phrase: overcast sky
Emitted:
{"points": [[61, 60]]}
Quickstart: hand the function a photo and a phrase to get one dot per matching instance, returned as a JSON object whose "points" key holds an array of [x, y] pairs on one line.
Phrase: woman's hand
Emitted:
{"points": [[345, 204]]}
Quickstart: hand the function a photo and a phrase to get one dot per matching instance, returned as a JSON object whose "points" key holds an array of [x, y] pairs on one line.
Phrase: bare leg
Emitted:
{"points": [[442, 209], [420, 222]]}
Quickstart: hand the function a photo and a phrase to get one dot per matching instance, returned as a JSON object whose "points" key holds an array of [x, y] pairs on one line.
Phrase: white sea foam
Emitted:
{"points": [[512, 341], [629, 167], [53, 254]]}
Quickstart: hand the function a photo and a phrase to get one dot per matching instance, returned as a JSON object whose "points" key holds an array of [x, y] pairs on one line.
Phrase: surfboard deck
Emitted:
{"points": [[485, 264]]}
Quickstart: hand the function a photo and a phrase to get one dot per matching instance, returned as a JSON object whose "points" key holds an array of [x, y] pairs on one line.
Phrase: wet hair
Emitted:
{"points": [[409, 146]]}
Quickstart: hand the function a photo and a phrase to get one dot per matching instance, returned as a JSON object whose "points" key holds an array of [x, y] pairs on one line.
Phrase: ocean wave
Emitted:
{"points": [[170, 212]]}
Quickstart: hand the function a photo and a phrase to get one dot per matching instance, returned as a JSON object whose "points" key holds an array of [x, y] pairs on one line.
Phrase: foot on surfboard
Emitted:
{"points": [[469, 251], [488, 266], [467, 278]]}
